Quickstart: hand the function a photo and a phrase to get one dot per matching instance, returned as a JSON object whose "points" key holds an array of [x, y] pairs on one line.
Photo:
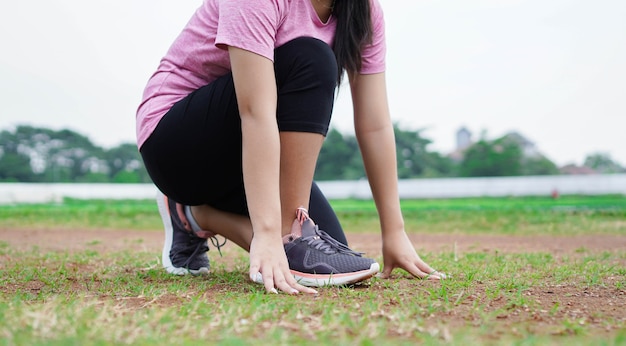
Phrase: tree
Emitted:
{"points": [[414, 158], [125, 164], [32, 154], [492, 159], [603, 163], [70, 156], [339, 158], [411, 152], [15, 167], [509, 155], [539, 165]]}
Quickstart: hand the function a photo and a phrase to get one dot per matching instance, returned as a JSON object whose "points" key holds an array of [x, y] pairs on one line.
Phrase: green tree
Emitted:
{"points": [[414, 158], [15, 161], [15, 167], [411, 152], [485, 158], [52, 156], [339, 158], [538, 165], [603, 163], [126, 165], [71, 156]]}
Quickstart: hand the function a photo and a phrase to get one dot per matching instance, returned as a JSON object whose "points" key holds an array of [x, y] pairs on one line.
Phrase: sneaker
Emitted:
{"points": [[316, 259], [184, 251]]}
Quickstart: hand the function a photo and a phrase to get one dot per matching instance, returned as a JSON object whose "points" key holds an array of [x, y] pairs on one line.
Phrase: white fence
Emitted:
{"points": [[44, 193], [491, 187], [11, 193]]}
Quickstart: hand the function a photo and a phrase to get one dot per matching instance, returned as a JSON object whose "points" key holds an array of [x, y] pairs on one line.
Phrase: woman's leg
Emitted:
{"points": [[194, 156], [238, 229], [324, 215], [306, 76]]}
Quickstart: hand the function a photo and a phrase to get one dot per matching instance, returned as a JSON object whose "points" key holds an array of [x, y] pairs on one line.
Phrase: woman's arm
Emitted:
{"points": [[255, 86], [374, 132]]}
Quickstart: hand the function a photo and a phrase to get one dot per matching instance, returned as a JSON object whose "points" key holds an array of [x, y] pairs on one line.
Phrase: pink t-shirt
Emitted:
{"points": [[199, 55]]}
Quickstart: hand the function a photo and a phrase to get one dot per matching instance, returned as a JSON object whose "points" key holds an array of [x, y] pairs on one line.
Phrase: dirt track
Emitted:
{"points": [[600, 307], [108, 240]]}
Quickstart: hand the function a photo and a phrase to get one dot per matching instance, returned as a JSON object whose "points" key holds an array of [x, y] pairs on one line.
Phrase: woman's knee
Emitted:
{"points": [[306, 77], [306, 60]]}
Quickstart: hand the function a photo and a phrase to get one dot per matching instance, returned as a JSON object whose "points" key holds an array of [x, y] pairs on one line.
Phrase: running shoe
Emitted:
{"points": [[317, 260], [184, 250]]}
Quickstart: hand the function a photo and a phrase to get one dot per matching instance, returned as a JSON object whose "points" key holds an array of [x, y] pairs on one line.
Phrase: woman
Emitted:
{"points": [[233, 120]]}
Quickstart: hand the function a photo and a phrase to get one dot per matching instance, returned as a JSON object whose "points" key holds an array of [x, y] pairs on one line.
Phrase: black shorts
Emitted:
{"points": [[194, 154]]}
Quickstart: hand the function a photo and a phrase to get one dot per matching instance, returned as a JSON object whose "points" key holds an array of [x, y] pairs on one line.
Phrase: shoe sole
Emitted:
{"points": [[167, 245], [321, 280]]}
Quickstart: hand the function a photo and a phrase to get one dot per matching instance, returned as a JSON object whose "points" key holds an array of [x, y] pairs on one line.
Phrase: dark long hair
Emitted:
{"points": [[354, 30]]}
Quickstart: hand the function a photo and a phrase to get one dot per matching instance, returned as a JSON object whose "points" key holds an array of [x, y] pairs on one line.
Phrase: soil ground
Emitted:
{"points": [[119, 240], [600, 307]]}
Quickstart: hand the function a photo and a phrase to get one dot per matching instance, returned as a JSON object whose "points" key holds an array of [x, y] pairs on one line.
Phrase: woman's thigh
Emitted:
{"points": [[194, 154]]}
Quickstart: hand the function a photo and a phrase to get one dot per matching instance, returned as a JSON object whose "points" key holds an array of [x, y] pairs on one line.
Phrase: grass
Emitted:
{"points": [[568, 215], [94, 297], [124, 298], [523, 215]]}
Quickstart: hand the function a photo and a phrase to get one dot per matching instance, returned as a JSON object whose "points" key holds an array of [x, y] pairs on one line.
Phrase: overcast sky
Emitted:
{"points": [[554, 70]]}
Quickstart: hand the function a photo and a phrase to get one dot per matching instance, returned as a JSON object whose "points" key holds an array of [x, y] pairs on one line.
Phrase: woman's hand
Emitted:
{"points": [[255, 86], [398, 252], [268, 263]]}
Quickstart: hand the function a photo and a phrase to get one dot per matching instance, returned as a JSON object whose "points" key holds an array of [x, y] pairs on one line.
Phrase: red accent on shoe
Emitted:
{"points": [[183, 218], [205, 234], [302, 215]]}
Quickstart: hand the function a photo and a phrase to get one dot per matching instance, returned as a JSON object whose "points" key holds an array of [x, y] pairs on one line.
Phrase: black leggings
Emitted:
{"points": [[194, 154]]}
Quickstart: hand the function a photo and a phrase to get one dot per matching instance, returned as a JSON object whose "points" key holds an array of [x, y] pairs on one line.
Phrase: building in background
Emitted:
{"points": [[463, 141], [463, 138]]}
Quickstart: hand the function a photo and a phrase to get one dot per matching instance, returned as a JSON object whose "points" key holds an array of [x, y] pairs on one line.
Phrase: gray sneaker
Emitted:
{"points": [[184, 251], [316, 259]]}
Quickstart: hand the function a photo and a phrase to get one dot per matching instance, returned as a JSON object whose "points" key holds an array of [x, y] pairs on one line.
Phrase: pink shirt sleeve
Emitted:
{"points": [[373, 56], [249, 25]]}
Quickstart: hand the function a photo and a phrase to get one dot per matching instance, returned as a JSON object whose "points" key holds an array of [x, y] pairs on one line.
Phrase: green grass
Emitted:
{"points": [[568, 215], [530, 215], [76, 213], [90, 297], [118, 298]]}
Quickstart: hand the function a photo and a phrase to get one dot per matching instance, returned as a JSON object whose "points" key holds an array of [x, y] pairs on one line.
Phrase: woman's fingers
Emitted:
{"points": [[387, 269], [281, 283], [432, 273], [268, 281], [293, 283], [277, 280], [423, 271], [413, 268]]}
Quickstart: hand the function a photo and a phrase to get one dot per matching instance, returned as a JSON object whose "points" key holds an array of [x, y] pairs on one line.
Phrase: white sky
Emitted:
{"points": [[553, 70]]}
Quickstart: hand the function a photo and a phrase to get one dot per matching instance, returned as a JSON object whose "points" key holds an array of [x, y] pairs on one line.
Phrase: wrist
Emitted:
{"points": [[392, 232], [392, 225], [264, 230]]}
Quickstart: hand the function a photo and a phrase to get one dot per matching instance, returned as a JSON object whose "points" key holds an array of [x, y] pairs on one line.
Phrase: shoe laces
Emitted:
{"points": [[321, 240], [200, 247], [183, 223], [216, 243], [213, 238], [324, 242]]}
